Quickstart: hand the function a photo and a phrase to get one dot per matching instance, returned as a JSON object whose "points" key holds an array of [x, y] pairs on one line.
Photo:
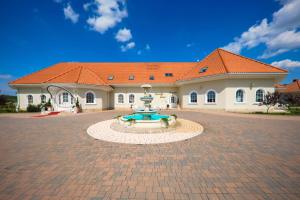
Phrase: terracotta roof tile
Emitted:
{"points": [[218, 62]]}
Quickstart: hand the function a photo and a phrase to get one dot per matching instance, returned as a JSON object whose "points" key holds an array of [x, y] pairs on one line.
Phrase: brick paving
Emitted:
{"points": [[235, 158]]}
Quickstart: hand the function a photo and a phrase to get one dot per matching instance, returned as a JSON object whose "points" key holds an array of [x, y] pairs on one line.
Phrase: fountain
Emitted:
{"points": [[147, 117]]}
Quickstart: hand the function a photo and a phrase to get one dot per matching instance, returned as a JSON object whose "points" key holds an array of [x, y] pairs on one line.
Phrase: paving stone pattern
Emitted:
{"points": [[235, 158]]}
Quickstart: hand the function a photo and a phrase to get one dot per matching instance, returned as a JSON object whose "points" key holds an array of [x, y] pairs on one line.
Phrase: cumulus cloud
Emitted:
{"points": [[123, 35], [5, 76], [128, 46], [107, 15], [287, 63], [71, 14], [279, 35]]}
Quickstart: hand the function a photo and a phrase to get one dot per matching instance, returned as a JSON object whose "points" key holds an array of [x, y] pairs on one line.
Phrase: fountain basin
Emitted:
{"points": [[147, 120]]}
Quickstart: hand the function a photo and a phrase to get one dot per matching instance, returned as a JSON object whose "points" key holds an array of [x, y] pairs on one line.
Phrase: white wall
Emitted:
{"points": [[226, 94], [36, 92], [201, 89], [161, 96], [250, 86], [101, 99]]}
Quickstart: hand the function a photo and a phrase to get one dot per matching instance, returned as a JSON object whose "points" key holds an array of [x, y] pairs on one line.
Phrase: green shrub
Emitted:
{"points": [[165, 121], [174, 115], [34, 108], [294, 110]]}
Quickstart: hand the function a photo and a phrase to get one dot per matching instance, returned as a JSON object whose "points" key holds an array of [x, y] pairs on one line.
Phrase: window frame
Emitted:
{"points": [[94, 95], [110, 77], [28, 101], [151, 77], [42, 95], [131, 77], [118, 98], [190, 97], [244, 96], [63, 97], [263, 97], [206, 96], [129, 98]]}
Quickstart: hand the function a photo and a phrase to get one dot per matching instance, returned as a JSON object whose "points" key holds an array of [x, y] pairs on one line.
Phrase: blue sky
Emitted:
{"points": [[36, 34]]}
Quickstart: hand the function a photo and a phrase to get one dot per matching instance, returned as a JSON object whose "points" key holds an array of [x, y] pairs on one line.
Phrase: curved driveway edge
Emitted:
{"points": [[102, 131]]}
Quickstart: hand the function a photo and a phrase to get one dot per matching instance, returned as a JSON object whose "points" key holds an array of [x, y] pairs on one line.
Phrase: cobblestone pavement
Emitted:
{"points": [[235, 158]]}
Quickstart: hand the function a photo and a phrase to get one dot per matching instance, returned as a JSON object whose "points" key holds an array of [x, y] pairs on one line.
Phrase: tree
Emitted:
{"points": [[271, 99]]}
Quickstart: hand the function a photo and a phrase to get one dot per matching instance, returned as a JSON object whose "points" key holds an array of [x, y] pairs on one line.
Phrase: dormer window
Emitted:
{"points": [[110, 77], [202, 70], [168, 74], [131, 77], [151, 77]]}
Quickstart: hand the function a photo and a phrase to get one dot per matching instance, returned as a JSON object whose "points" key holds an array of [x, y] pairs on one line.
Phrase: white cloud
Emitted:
{"points": [[86, 6], [279, 35], [139, 52], [5, 76], [148, 47], [123, 35], [287, 63], [107, 15], [71, 14], [189, 45], [128, 46]]}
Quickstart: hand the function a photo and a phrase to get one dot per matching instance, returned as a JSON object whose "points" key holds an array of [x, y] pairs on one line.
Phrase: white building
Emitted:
{"points": [[222, 80]]}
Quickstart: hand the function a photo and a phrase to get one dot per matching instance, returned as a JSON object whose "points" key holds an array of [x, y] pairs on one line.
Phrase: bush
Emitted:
{"points": [[8, 108], [294, 110], [34, 108]]}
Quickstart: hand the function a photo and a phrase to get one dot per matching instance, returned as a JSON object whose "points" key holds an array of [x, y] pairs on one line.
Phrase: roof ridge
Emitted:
{"points": [[61, 74], [222, 60], [79, 74], [254, 60], [94, 74]]}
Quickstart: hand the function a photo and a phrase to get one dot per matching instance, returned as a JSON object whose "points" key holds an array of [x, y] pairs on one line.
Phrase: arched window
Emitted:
{"points": [[90, 97], [239, 96], [30, 99], [173, 99], [259, 95], [131, 98], [65, 97], [43, 98], [193, 97], [120, 98], [211, 97]]}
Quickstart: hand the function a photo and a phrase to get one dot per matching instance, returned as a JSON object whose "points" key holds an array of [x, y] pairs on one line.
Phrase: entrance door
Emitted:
{"points": [[173, 101], [64, 101]]}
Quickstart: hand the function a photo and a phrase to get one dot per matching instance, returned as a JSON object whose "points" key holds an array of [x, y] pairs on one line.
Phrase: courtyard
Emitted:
{"points": [[238, 156]]}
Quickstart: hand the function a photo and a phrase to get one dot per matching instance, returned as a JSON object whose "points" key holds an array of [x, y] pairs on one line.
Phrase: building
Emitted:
{"points": [[222, 80], [291, 88]]}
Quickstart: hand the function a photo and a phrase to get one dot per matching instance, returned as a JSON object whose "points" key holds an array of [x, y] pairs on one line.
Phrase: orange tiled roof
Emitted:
{"points": [[218, 62], [289, 88]]}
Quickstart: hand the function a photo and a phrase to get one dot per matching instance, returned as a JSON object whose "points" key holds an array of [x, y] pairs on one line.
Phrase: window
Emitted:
{"points": [[211, 97], [89, 97], [131, 77], [65, 97], [120, 98], [110, 77], [30, 99], [168, 74], [173, 99], [43, 98], [202, 70], [239, 96], [193, 97], [151, 77], [131, 98], [259, 95]]}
